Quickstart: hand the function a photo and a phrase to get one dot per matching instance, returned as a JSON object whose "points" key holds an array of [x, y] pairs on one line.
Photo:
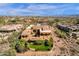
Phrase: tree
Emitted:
{"points": [[46, 43], [51, 41], [20, 46], [77, 21]]}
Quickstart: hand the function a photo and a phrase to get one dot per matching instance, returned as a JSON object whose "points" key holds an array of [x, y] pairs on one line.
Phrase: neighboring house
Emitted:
{"points": [[68, 28], [11, 28], [72, 30], [75, 35], [63, 27]]}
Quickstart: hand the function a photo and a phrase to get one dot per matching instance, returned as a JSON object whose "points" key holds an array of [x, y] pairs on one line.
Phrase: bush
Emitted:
{"points": [[60, 33], [37, 42], [46, 43], [21, 46], [10, 52], [51, 41]]}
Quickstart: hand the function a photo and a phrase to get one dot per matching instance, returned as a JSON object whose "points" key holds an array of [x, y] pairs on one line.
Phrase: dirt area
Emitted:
{"points": [[4, 47], [34, 53]]}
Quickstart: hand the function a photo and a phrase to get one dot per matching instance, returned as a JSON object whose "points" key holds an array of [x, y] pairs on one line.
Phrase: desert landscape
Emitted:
{"points": [[39, 36], [39, 29]]}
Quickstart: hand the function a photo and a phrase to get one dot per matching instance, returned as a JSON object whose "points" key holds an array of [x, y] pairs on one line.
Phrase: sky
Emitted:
{"points": [[39, 9]]}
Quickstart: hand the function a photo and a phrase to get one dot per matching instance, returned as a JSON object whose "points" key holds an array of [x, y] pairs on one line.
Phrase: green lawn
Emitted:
{"points": [[40, 47]]}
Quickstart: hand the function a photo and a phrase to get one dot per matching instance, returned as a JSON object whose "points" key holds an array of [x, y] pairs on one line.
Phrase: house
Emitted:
{"points": [[26, 33], [42, 29], [34, 32], [43, 32], [75, 35], [63, 27], [11, 28], [68, 28]]}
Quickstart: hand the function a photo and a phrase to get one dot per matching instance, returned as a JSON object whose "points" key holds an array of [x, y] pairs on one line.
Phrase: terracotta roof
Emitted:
{"points": [[26, 32], [11, 27], [44, 29]]}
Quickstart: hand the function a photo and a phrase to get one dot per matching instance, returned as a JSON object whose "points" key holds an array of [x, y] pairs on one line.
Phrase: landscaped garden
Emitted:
{"points": [[36, 45], [41, 45]]}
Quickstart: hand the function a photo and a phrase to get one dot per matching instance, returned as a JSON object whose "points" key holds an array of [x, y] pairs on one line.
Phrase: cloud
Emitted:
{"points": [[31, 9], [41, 7], [3, 4], [37, 9]]}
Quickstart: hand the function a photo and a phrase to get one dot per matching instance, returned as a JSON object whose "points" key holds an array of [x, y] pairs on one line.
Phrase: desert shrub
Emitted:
{"points": [[13, 21], [13, 39], [77, 21], [60, 33], [20, 46], [10, 52], [2, 21], [51, 41]]}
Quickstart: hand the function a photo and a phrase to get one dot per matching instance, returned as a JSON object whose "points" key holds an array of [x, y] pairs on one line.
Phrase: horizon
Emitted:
{"points": [[39, 9]]}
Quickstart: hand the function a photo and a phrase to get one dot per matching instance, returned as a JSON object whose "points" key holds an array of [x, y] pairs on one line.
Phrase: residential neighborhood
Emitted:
{"points": [[28, 29]]}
